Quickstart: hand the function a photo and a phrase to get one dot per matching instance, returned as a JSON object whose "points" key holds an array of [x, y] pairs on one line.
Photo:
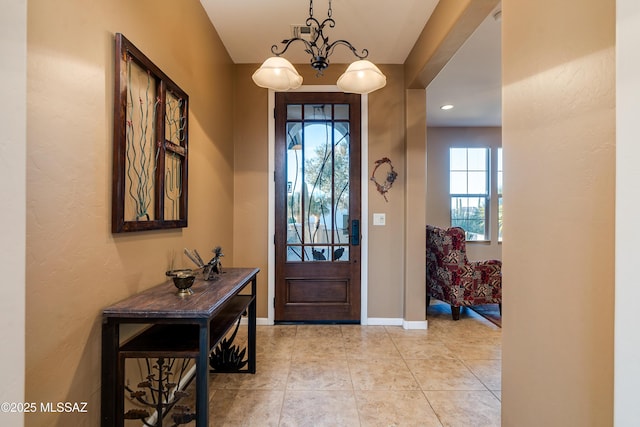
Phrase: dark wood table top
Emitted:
{"points": [[162, 301]]}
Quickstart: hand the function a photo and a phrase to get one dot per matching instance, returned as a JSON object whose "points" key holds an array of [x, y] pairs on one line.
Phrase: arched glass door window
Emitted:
{"points": [[318, 182]]}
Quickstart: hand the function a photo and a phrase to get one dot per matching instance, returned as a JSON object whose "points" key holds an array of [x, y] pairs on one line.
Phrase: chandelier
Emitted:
{"points": [[279, 74]]}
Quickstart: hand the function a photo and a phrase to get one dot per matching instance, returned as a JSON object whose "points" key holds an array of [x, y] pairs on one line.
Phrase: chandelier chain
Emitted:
{"points": [[329, 12]]}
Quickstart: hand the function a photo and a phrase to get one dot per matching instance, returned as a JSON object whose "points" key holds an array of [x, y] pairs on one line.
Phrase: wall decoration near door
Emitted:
{"points": [[390, 177], [150, 145]]}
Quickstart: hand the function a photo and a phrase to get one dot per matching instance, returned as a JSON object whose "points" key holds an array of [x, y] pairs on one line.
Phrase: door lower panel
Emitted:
{"points": [[317, 291]]}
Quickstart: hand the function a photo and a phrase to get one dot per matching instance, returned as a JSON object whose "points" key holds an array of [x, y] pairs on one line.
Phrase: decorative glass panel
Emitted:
{"points": [[150, 145], [341, 112], [141, 149], [341, 189], [174, 120], [294, 112], [317, 184], [317, 111], [172, 185], [175, 152]]}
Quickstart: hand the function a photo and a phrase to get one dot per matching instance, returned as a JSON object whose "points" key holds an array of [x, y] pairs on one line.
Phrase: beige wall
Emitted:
{"points": [[415, 208], [386, 244], [438, 201], [75, 266], [13, 151], [251, 179], [558, 252]]}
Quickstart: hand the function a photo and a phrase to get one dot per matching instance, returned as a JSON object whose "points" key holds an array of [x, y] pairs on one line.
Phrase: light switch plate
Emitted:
{"points": [[379, 219]]}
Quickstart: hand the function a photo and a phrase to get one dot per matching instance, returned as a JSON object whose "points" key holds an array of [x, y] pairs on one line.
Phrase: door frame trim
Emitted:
{"points": [[364, 200]]}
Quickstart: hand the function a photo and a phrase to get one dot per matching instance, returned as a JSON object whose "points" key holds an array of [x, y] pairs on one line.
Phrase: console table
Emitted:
{"points": [[180, 326]]}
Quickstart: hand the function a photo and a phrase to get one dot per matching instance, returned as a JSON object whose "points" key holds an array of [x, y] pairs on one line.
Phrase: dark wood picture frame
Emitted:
{"points": [[150, 145]]}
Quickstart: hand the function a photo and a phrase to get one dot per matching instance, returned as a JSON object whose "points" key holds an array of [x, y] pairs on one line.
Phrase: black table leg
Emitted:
{"points": [[202, 378], [109, 401]]}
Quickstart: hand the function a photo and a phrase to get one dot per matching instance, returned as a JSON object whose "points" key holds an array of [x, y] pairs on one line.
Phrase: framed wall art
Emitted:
{"points": [[150, 145]]}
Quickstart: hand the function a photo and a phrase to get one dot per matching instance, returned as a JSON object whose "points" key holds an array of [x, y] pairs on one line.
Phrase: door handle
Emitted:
{"points": [[355, 232]]}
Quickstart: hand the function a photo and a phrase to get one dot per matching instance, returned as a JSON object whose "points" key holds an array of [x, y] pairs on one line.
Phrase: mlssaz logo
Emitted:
{"points": [[80, 407]]}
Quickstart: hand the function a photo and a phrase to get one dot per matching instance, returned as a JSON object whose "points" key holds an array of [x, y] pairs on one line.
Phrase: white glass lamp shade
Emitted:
{"points": [[278, 74], [362, 77]]}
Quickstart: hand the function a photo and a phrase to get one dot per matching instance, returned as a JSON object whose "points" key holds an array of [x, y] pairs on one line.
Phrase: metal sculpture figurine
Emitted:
{"points": [[210, 269], [160, 391]]}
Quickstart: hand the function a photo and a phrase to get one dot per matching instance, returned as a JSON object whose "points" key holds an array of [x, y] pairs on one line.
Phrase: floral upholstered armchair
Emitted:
{"points": [[453, 279]]}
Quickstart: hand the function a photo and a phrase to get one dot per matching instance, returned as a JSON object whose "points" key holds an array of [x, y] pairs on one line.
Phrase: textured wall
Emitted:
{"points": [[75, 266], [558, 253], [387, 138]]}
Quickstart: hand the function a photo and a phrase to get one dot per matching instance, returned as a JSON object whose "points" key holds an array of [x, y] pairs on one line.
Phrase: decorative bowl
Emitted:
{"points": [[183, 280]]}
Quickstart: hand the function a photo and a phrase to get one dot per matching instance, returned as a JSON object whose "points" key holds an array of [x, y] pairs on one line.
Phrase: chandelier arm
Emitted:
{"points": [[320, 36], [329, 49], [330, 21], [287, 43], [311, 20]]}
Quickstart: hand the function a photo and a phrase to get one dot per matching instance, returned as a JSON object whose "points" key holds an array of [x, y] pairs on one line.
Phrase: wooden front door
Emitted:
{"points": [[317, 207]]}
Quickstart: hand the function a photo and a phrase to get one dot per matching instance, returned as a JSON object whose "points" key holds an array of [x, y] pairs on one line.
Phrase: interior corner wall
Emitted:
{"points": [[386, 263], [75, 266], [415, 306], [627, 339], [251, 180], [559, 194], [13, 110], [438, 200]]}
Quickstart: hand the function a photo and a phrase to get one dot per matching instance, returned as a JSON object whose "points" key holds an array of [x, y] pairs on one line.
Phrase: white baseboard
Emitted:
{"points": [[390, 321], [384, 321], [420, 324], [371, 321]]}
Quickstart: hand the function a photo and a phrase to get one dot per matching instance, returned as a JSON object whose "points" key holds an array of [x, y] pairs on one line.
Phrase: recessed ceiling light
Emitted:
{"points": [[446, 107]]}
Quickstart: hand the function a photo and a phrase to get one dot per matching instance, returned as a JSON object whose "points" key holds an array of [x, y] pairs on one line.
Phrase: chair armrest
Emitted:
{"points": [[488, 275]]}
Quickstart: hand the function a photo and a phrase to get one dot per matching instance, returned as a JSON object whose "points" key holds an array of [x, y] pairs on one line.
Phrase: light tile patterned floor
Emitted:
{"points": [[351, 375]]}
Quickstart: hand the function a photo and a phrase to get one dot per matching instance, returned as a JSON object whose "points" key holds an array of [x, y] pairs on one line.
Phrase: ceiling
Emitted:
{"points": [[471, 81]]}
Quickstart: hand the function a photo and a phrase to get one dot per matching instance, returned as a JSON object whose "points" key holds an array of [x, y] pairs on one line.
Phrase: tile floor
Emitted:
{"points": [[351, 375]]}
